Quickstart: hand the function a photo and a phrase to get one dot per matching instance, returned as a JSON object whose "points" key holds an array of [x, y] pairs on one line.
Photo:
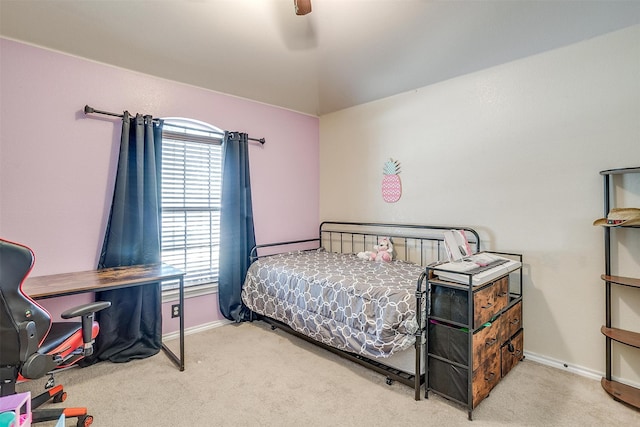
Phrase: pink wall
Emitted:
{"points": [[57, 165]]}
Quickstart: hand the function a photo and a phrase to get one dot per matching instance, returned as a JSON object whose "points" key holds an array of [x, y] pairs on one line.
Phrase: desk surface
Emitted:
{"points": [[57, 285]]}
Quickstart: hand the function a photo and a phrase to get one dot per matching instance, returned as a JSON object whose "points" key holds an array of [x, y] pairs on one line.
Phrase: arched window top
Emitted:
{"points": [[180, 125]]}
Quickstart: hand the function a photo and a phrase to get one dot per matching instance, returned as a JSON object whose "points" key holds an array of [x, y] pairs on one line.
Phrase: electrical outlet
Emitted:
{"points": [[175, 310]]}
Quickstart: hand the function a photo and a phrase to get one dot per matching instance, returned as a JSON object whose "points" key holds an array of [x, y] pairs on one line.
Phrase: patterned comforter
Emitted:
{"points": [[363, 307]]}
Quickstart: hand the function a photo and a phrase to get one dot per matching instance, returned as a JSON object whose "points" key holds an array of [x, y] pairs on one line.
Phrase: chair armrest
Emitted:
{"points": [[87, 312], [83, 310]]}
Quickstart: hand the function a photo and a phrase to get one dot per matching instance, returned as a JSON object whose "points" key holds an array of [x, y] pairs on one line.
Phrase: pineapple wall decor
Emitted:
{"points": [[391, 185]]}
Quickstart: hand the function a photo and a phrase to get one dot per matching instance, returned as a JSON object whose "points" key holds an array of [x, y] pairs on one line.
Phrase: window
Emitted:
{"points": [[191, 192]]}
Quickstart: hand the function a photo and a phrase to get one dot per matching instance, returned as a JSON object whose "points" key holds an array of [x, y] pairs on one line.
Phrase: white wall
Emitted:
{"points": [[513, 151]]}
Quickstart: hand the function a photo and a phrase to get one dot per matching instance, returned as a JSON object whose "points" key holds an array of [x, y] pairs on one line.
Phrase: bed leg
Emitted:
{"points": [[418, 367]]}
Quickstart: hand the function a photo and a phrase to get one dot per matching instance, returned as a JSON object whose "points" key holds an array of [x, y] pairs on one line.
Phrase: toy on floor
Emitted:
{"points": [[382, 252]]}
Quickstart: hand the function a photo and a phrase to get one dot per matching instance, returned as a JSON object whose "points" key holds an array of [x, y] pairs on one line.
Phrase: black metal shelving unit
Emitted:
{"points": [[618, 390]]}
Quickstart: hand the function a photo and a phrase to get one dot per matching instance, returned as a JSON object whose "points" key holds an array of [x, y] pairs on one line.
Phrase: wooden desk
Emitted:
{"points": [[58, 285]]}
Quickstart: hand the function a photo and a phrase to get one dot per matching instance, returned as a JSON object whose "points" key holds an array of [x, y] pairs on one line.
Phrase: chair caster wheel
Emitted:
{"points": [[85, 421], [389, 381], [60, 397]]}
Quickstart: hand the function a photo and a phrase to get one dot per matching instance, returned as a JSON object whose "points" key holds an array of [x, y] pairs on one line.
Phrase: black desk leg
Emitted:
{"points": [[178, 361], [182, 323]]}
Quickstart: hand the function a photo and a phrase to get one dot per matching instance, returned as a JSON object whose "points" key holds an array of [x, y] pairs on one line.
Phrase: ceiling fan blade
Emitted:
{"points": [[302, 6]]}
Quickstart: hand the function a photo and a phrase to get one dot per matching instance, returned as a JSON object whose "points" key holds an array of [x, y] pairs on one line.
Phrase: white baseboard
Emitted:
{"points": [[548, 361], [579, 370], [195, 329]]}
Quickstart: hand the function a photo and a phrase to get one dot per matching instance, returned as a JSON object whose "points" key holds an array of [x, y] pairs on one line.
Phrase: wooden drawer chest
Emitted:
{"points": [[474, 336]]}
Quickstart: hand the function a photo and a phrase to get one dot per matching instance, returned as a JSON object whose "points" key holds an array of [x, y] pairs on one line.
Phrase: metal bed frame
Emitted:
{"points": [[415, 242]]}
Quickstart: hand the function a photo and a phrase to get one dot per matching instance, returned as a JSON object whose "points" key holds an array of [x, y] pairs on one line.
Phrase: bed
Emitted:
{"points": [[372, 313]]}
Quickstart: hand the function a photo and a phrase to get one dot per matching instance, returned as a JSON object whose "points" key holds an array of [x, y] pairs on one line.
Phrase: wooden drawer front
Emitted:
{"points": [[489, 301], [512, 352], [485, 379], [484, 305], [513, 321], [501, 288], [487, 342]]}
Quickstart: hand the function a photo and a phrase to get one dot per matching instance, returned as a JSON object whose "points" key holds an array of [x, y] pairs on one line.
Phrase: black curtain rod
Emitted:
{"points": [[89, 110]]}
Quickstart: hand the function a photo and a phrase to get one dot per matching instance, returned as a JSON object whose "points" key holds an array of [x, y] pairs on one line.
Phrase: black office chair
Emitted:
{"points": [[31, 346]]}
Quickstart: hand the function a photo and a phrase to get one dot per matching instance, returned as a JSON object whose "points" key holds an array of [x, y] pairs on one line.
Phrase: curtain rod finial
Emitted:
{"points": [[88, 109]]}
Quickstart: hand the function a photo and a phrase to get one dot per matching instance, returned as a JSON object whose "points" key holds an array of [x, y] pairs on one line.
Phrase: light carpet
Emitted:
{"points": [[248, 375]]}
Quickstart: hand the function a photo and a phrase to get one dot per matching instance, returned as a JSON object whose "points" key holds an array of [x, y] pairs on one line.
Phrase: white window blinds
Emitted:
{"points": [[191, 191]]}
